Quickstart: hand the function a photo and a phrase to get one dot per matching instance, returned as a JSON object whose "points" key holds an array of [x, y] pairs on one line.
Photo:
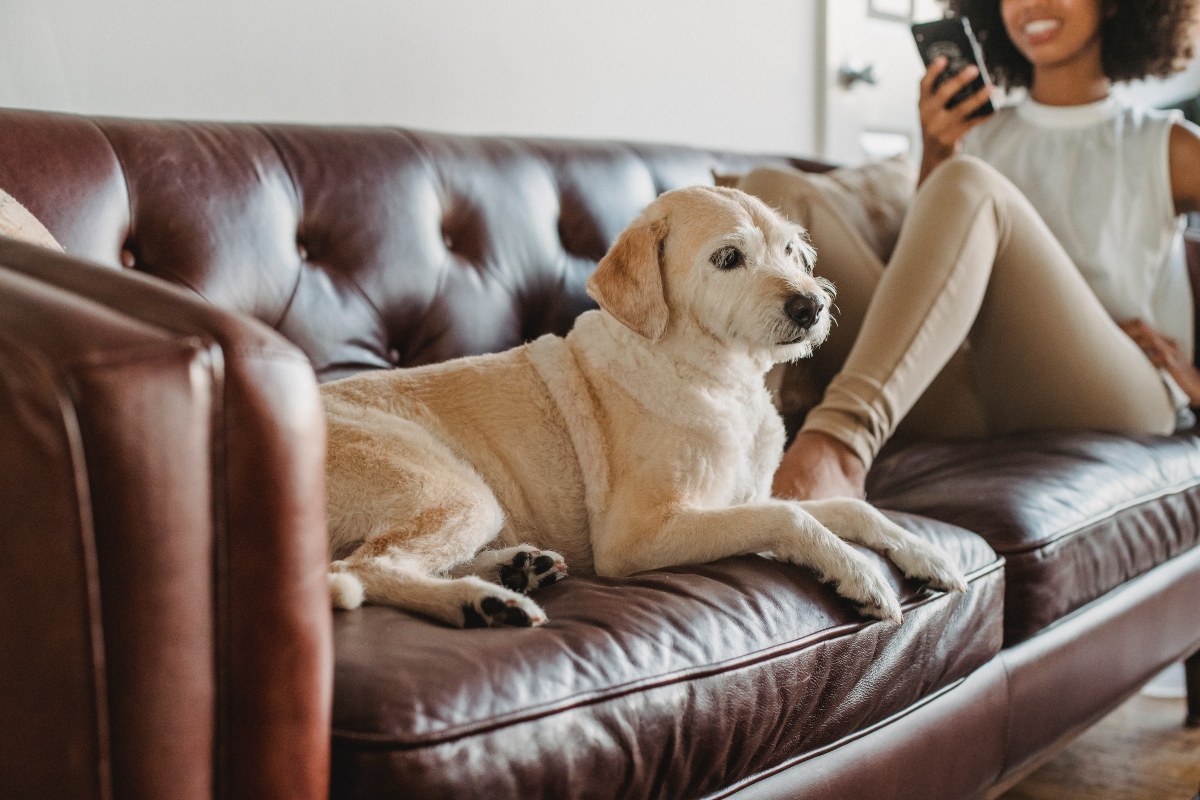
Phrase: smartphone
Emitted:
{"points": [[953, 38]]}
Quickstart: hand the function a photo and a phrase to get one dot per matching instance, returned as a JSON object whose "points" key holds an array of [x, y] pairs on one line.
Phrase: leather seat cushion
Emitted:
{"points": [[1074, 515], [669, 683]]}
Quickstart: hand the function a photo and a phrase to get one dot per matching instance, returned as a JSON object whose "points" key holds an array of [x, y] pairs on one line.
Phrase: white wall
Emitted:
{"points": [[1158, 92], [714, 73]]}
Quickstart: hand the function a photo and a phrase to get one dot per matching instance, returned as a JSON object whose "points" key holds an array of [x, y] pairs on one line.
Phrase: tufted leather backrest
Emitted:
{"points": [[367, 247]]}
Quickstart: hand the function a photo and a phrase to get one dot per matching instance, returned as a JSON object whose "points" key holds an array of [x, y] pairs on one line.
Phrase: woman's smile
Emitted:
{"points": [[1041, 31]]}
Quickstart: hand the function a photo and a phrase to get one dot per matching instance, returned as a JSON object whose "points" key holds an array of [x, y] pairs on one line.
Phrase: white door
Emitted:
{"points": [[869, 76]]}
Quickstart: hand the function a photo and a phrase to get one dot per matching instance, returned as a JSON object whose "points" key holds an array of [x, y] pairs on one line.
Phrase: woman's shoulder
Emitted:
{"points": [[1137, 117]]}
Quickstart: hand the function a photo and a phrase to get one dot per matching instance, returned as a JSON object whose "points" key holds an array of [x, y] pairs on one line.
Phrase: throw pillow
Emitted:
{"points": [[17, 223]]}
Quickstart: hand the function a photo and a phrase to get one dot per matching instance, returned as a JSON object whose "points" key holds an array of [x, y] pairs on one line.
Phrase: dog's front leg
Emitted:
{"points": [[696, 536], [860, 522]]}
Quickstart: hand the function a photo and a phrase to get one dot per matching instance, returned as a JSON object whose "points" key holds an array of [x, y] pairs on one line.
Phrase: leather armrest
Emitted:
{"points": [[105, 577], [204, 484]]}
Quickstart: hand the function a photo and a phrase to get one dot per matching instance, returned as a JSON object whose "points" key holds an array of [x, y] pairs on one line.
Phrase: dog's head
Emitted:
{"points": [[719, 262]]}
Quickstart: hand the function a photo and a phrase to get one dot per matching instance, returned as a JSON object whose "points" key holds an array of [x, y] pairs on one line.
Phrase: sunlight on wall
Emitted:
{"points": [[706, 72]]}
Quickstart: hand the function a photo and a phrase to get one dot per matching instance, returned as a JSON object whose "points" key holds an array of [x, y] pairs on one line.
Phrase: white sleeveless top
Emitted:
{"points": [[1099, 175]]}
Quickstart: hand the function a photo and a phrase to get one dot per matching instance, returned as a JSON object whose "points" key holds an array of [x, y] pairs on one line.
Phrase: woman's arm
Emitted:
{"points": [[943, 129], [1185, 169], [1162, 350]]}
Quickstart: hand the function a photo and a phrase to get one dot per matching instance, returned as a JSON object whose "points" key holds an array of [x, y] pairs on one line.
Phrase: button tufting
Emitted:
{"points": [[393, 356], [302, 251], [447, 241], [128, 259]]}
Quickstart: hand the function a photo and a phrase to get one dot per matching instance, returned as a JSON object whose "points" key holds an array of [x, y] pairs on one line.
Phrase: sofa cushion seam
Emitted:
{"points": [[849, 738], [1096, 519]]}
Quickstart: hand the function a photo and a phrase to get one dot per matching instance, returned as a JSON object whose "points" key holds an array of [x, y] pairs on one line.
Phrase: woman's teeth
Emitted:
{"points": [[1040, 26]]}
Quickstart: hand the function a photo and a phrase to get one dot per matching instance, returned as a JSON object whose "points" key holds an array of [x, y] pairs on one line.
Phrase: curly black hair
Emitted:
{"points": [[1143, 38]]}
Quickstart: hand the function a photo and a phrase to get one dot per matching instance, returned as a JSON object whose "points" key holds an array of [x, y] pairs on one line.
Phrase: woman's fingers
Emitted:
{"points": [[1148, 340], [961, 129], [954, 85], [1162, 350], [947, 126], [1131, 325], [935, 68], [975, 101]]}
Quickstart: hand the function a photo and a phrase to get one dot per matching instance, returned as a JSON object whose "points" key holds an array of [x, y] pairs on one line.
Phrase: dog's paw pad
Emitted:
{"points": [[517, 617], [532, 569], [494, 612]]}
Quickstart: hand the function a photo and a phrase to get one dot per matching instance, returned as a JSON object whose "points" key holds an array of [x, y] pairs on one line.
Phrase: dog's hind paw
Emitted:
{"points": [[494, 611], [345, 590], [530, 568]]}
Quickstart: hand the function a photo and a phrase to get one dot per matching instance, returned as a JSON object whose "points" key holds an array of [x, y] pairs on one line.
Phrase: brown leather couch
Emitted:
{"points": [[164, 628]]}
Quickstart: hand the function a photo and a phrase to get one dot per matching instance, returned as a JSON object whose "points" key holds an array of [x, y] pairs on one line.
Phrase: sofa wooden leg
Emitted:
{"points": [[1192, 669]]}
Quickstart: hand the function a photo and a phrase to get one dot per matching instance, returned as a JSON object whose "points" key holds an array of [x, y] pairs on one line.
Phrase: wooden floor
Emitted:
{"points": [[1141, 751]]}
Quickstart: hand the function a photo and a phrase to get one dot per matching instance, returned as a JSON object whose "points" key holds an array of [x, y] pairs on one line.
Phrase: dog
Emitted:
{"points": [[645, 438]]}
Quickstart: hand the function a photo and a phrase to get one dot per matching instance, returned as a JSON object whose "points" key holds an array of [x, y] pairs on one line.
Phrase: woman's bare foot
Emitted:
{"points": [[817, 466]]}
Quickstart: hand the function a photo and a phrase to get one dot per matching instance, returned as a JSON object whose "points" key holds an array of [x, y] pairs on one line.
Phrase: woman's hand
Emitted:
{"points": [[1164, 353], [944, 128]]}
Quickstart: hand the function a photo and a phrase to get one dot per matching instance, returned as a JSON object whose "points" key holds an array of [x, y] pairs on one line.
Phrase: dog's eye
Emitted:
{"points": [[728, 258], [787, 251]]}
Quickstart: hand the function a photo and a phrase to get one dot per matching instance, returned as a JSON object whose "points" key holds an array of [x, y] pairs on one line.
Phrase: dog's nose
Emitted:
{"points": [[804, 309]]}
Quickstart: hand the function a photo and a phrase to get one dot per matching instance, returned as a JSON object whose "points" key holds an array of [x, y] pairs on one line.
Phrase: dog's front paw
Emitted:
{"points": [[927, 562], [867, 588], [497, 608], [530, 568]]}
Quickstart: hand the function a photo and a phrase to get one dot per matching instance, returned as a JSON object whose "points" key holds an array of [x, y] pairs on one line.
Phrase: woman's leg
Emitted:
{"points": [[843, 257], [976, 261]]}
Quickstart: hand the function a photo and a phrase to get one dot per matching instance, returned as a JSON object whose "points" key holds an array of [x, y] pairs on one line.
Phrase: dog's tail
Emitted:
{"points": [[345, 589]]}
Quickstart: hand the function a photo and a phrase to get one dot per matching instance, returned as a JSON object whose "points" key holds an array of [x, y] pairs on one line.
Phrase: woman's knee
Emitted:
{"points": [[964, 170], [787, 190], [967, 181]]}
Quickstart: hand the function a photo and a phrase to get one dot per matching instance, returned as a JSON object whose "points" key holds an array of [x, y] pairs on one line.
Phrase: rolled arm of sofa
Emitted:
{"points": [[163, 603]]}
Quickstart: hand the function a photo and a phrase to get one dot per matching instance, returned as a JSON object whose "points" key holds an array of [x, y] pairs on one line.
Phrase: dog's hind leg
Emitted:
{"points": [[522, 568], [860, 522], [404, 511], [467, 602]]}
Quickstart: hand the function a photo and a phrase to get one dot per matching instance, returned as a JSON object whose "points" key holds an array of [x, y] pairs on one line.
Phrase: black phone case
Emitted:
{"points": [[953, 38]]}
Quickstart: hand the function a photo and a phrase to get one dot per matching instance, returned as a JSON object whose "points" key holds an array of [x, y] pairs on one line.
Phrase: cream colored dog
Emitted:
{"points": [[644, 439]]}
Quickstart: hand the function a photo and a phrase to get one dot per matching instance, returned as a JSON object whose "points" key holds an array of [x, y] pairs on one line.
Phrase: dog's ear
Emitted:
{"points": [[628, 281]]}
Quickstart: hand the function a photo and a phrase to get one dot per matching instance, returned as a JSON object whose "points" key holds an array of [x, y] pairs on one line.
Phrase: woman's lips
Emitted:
{"points": [[1040, 31]]}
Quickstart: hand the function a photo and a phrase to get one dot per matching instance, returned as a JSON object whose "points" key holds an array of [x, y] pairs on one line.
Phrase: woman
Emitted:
{"points": [[992, 320]]}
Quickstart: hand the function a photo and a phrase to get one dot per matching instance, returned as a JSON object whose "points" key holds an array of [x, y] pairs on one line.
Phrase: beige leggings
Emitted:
{"points": [[979, 325]]}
